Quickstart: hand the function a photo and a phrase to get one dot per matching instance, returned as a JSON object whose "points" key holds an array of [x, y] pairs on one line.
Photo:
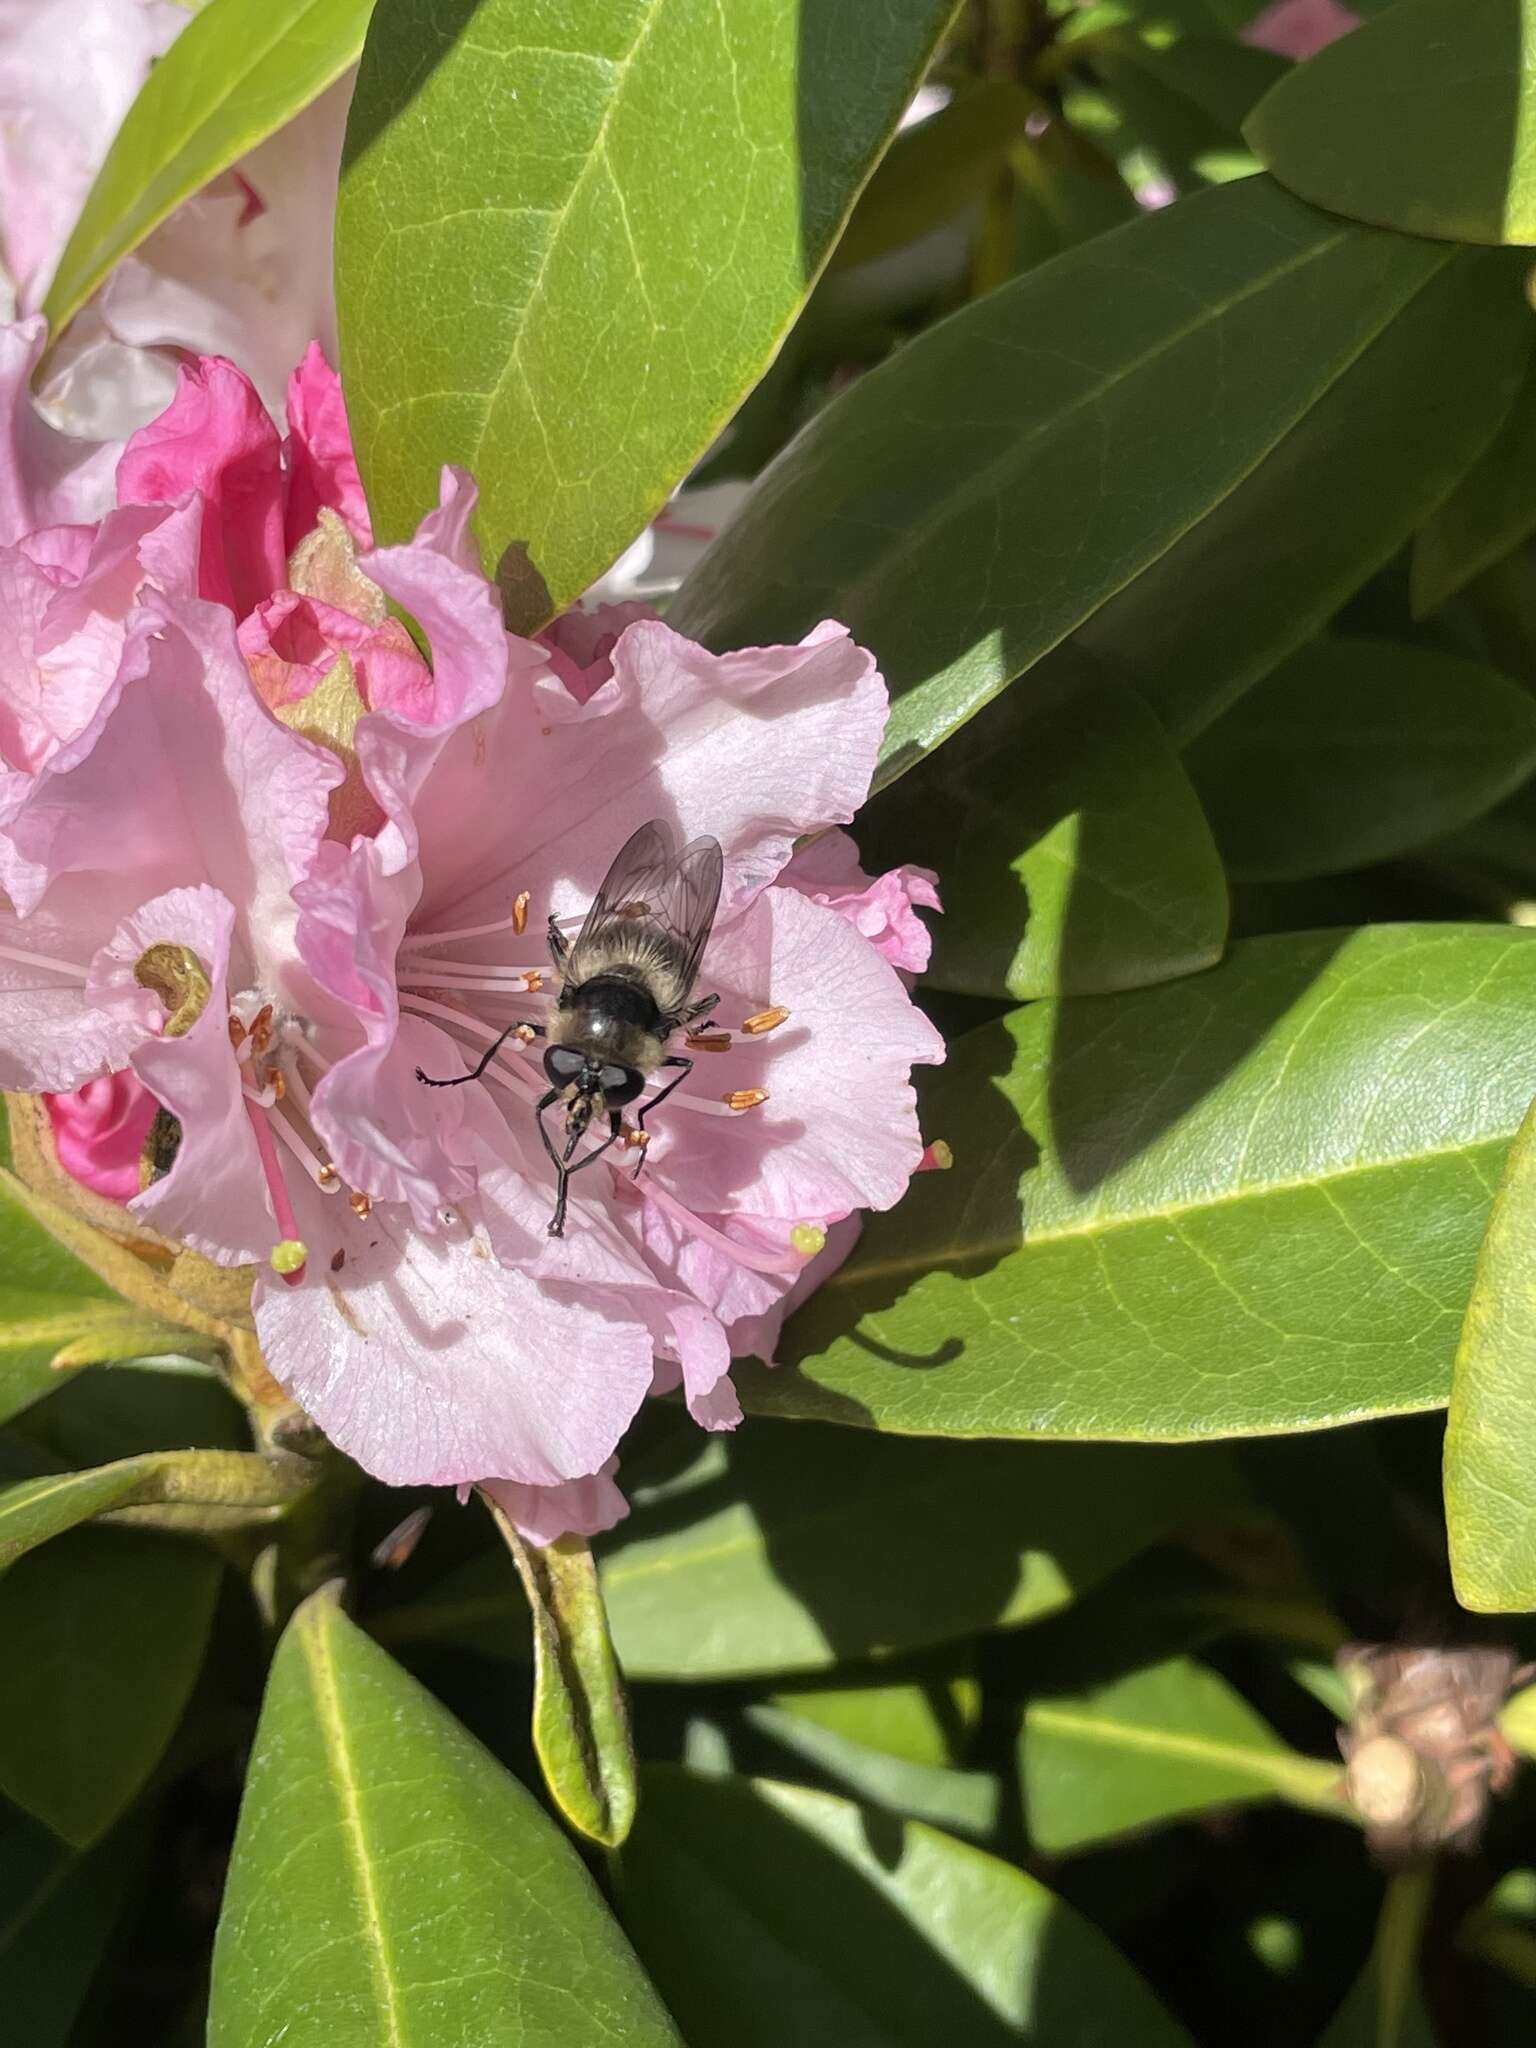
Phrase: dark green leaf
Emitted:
{"points": [[653, 186], [1420, 120], [1072, 851], [580, 1717], [1340, 495], [104, 1633], [57, 1911], [1385, 2009], [964, 1802], [796, 1548], [1354, 751], [1169, 1740], [833, 1926], [1490, 1438], [231, 78], [1057, 438], [1490, 512], [1230, 1205], [391, 1883]]}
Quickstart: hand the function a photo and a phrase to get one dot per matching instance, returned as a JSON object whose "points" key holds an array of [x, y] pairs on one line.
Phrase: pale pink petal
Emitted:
{"points": [[291, 642], [882, 908], [839, 1128], [543, 1514], [46, 477], [322, 469], [100, 1130], [757, 1336], [430, 1363], [244, 269], [1299, 28], [755, 748], [217, 439], [53, 1034], [384, 1131], [580, 646]]}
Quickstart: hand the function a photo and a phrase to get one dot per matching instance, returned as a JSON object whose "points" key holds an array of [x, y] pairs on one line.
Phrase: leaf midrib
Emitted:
{"points": [[1306, 1780], [331, 1722]]}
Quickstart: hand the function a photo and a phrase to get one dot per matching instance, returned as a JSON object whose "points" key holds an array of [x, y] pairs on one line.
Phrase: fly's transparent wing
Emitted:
{"points": [[675, 894]]}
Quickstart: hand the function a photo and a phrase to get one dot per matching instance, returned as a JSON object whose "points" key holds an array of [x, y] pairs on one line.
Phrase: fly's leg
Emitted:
{"points": [[517, 1030], [559, 944], [673, 1060], [700, 1009], [563, 1167]]}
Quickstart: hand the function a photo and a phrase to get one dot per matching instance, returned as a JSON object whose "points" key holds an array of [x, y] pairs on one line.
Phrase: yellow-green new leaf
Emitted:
{"points": [[1490, 1438], [234, 1484], [232, 78], [393, 1887], [580, 1716]]}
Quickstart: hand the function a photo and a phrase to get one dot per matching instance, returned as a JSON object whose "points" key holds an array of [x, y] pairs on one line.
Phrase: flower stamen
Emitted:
{"points": [[765, 1020], [745, 1098], [288, 1255]]}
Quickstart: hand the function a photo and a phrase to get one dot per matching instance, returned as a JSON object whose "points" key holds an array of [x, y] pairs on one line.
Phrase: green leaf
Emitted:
{"points": [[233, 77], [1072, 850], [580, 1717], [925, 1717], [240, 1483], [964, 1802], [1354, 751], [1336, 500], [1489, 513], [1421, 120], [1385, 2008], [1169, 1740], [1235, 1204], [1490, 1437], [655, 186], [48, 1301], [104, 1633], [794, 1549], [1027, 484], [392, 1884], [832, 1926], [58, 1908]]}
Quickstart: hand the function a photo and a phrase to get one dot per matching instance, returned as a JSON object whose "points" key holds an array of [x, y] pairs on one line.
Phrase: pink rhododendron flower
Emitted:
{"points": [[100, 1130], [1299, 28], [283, 863]]}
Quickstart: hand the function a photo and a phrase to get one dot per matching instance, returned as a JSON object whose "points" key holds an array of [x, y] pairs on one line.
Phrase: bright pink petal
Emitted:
{"points": [[543, 1514], [322, 469], [100, 1130], [291, 643], [216, 438], [882, 908]]}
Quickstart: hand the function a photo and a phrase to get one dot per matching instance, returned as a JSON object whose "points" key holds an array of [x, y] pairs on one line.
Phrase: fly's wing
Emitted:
{"points": [[674, 894]]}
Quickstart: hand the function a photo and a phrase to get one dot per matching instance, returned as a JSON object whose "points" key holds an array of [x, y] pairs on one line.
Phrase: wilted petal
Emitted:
{"points": [[100, 1130]]}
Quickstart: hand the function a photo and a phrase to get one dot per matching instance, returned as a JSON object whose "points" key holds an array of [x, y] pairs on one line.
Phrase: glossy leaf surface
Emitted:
{"points": [[1354, 751], [1192, 1211], [1116, 395], [812, 1904], [37, 1509], [655, 185], [1169, 1740], [1490, 511], [47, 1301], [1423, 120], [412, 1889]]}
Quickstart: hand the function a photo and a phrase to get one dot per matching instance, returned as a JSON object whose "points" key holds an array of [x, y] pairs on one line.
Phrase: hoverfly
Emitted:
{"points": [[626, 984]]}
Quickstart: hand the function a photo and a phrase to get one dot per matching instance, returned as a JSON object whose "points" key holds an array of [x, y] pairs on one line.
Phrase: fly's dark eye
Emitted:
{"points": [[620, 1085], [563, 1064]]}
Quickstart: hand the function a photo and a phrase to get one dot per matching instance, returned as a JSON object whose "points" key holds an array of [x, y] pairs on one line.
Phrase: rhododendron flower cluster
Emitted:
{"points": [[266, 858]]}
